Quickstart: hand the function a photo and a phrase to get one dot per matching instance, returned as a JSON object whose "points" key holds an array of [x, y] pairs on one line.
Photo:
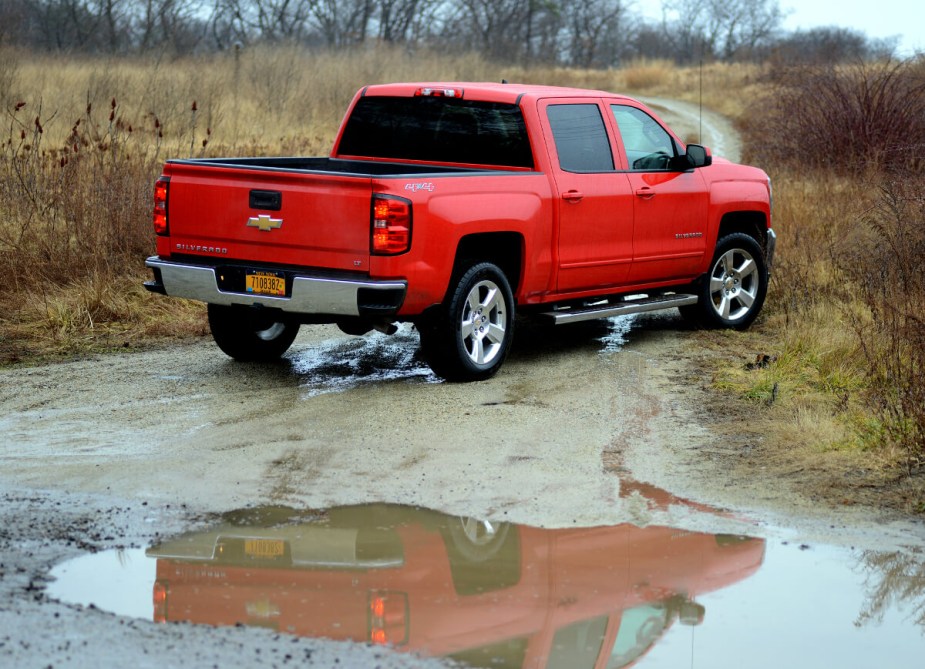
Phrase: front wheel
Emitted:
{"points": [[470, 335], [732, 293], [249, 335]]}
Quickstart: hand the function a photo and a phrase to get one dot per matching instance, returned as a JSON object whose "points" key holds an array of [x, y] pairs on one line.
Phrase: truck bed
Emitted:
{"points": [[325, 165]]}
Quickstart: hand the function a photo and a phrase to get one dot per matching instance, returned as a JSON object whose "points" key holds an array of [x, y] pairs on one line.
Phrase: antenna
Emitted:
{"points": [[700, 132]]}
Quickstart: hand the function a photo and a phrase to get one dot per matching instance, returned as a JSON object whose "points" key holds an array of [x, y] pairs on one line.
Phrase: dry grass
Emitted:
{"points": [[647, 75], [852, 241], [90, 315], [843, 377], [849, 119], [726, 88]]}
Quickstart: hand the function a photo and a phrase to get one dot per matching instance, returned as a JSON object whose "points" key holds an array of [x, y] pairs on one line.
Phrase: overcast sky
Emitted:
{"points": [[876, 18]]}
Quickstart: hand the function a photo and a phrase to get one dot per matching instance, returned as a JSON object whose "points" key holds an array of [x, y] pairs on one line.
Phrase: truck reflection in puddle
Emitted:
{"points": [[487, 594]]}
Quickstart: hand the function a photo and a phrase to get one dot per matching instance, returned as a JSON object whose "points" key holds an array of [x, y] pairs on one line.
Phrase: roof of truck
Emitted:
{"points": [[487, 91]]}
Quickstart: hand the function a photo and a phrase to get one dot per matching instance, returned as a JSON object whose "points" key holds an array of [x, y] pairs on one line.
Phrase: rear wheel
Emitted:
{"points": [[484, 556], [732, 293], [251, 335], [470, 335]]}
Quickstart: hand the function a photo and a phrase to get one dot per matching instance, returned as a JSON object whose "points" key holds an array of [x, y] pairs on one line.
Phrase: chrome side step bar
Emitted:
{"points": [[563, 316]]}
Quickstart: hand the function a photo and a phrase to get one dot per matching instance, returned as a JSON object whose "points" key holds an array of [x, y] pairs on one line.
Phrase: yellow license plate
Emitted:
{"points": [[265, 283], [264, 548]]}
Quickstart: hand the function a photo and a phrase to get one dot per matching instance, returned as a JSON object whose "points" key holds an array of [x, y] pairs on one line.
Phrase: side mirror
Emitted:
{"points": [[699, 156]]}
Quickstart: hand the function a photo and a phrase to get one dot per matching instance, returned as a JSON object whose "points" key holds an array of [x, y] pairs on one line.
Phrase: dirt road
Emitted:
{"points": [[341, 420], [120, 450]]}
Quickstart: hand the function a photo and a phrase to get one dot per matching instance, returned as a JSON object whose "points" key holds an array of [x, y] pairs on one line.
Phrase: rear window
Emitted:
{"points": [[437, 129]]}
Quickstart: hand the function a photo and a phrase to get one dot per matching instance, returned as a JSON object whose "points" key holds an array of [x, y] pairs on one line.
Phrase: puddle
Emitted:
{"points": [[502, 595], [618, 327], [338, 365]]}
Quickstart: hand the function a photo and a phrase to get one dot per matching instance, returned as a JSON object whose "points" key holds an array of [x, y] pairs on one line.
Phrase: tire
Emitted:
{"points": [[483, 557], [469, 336], [249, 335], [477, 540], [732, 292]]}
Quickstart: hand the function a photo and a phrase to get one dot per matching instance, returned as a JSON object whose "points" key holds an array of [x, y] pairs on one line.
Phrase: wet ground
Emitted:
{"points": [[187, 487], [499, 595]]}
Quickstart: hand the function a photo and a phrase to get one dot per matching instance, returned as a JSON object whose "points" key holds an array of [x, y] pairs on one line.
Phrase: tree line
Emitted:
{"points": [[578, 33]]}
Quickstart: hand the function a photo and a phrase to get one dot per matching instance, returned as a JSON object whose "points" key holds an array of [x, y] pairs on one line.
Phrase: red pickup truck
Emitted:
{"points": [[454, 206]]}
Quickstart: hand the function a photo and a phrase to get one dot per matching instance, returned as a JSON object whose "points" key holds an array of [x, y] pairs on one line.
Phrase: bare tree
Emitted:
{"points": [[398, 19], [721, 28], [230, 23], [281, 19], [177, 24], [595, 27], [243, 21], [498, 28], [15, 21], [342, 22], [830, 44]]}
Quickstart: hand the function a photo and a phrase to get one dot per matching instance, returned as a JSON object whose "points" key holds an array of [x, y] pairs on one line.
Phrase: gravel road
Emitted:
{"points": [[116, 451], [691, 122]]}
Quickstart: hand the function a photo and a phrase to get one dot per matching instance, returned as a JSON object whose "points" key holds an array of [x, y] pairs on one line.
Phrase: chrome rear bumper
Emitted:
{"points": [[309, 295]]}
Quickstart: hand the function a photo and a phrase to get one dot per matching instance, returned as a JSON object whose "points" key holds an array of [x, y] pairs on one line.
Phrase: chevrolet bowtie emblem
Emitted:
{"points": [[264, 223]]}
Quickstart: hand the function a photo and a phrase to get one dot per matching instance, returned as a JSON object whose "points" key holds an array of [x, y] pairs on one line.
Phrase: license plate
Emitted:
{"points": [[265, 283], [264, 548]]}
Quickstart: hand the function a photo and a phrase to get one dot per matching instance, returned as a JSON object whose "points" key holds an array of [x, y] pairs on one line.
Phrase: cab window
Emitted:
{"points": [[581, 138], [648, 145]]}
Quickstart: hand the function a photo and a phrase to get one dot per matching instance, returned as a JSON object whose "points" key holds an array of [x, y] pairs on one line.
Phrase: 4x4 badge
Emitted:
{"points": [[264, 223]]}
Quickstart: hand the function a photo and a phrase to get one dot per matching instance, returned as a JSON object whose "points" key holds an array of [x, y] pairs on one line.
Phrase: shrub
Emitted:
{"points": [[844, 145], [884, 262], [850, 119]]}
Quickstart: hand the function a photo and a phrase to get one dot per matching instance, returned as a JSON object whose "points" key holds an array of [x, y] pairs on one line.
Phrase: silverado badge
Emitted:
{"points": [[264, 223]]}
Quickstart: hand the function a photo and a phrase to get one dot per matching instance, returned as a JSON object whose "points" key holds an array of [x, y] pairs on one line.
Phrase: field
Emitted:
{"points": [[84, 139]]}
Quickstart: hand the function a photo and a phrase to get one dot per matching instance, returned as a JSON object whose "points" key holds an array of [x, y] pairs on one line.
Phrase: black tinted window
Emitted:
{"points": [[581, 139], [438, 130]]}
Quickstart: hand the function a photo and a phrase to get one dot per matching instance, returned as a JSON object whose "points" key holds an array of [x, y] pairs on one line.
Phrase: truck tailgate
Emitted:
{"points": [[269, 216]]}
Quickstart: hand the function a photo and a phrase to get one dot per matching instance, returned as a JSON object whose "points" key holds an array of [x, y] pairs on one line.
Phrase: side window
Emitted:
{"points": [[581, 138], [648, 145]]}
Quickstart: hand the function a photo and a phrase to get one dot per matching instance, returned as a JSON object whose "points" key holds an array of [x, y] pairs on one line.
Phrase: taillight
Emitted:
{"points": [[160, 206], [391, 225], [160, 602], [387, 618], [439, 92]]}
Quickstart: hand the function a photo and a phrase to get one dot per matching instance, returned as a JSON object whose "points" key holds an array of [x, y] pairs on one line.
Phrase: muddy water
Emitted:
{"points": [[493, 594]]}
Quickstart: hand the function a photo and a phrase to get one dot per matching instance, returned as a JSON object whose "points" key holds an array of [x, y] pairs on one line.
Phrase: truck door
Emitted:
{"points": [[595, 202], [670, 207]]}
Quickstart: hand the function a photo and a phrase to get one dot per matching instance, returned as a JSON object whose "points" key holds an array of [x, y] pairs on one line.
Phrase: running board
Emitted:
{"points": [[624, 308]]}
